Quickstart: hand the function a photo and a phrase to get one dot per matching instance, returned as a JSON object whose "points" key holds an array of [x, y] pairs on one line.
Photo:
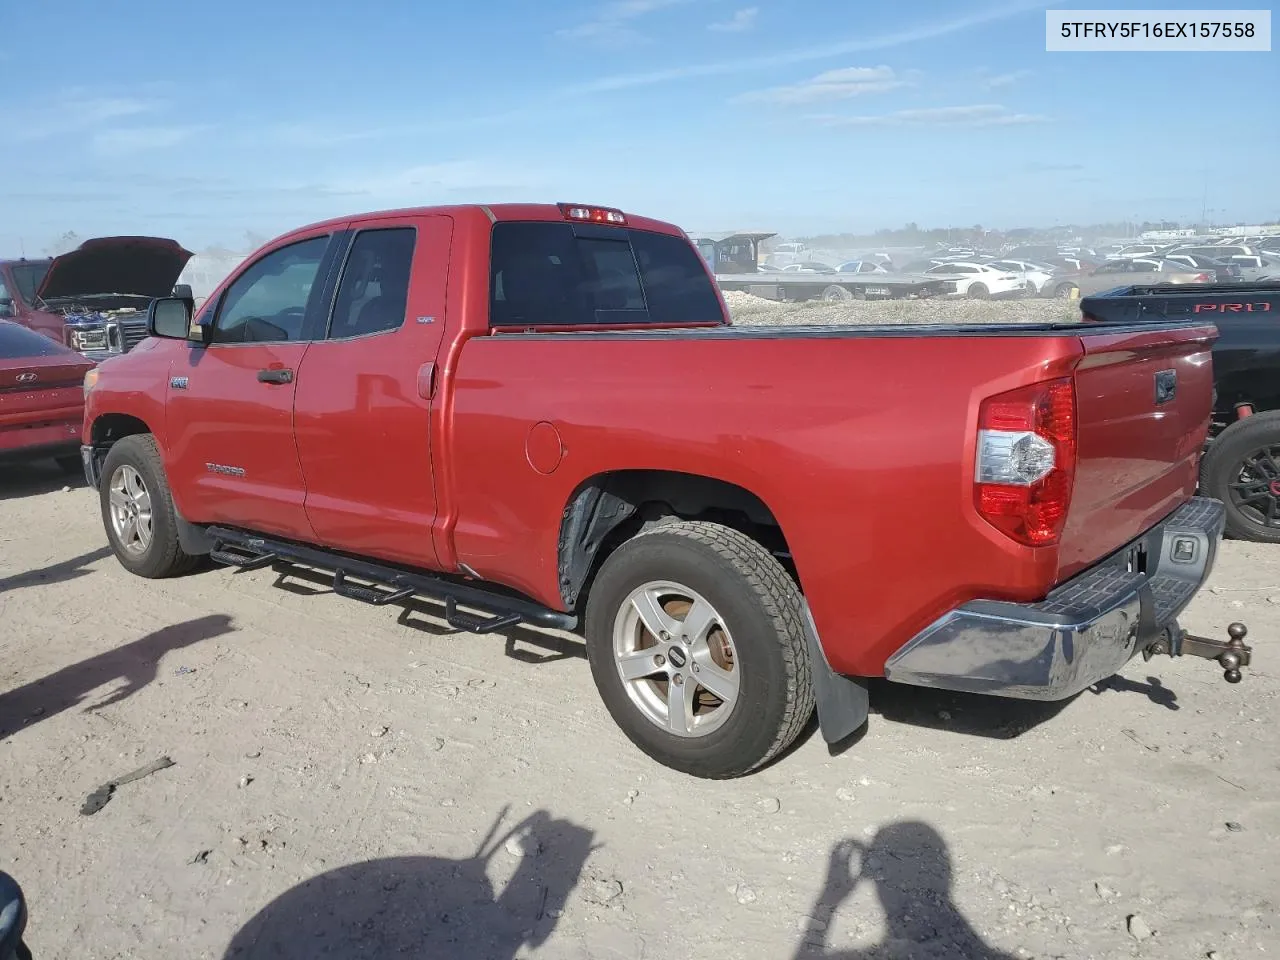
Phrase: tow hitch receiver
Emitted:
{"points": [[1231, 654]]}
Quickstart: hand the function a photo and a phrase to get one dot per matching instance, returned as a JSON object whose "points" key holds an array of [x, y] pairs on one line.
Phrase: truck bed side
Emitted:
{"points": [[860, 442]]}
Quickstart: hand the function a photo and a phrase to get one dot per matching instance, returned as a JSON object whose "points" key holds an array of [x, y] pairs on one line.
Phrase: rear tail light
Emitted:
{"points": [[1026, 461], [586, 214], [1204, 277]]}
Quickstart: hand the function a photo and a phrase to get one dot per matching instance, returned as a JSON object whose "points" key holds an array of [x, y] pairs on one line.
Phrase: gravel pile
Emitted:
{"points": [[747, 309]]}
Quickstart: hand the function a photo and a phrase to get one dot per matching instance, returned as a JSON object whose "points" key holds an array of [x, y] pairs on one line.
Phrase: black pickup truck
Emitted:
{"points": [[1241, 465]]}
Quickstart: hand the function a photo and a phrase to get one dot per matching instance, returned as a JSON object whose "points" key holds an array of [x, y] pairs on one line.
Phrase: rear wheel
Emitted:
{"points": [[138, 512], [1031, 288], [836, 292], [1242, 469], [978, 291], [695, 637], [1064, 291]]}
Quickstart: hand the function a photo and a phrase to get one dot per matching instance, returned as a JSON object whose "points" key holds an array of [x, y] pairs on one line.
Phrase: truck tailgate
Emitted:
{"points": [[1143, 402]]}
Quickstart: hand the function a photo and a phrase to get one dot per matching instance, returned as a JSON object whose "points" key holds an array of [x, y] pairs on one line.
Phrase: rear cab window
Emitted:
{"points": [[546, 273]]}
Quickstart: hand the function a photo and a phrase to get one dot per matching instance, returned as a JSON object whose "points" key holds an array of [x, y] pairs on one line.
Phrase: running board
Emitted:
{"points": [[249, 551]]}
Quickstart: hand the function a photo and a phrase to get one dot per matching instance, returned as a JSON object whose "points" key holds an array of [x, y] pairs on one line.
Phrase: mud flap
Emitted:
{"points": [[843, 702]]}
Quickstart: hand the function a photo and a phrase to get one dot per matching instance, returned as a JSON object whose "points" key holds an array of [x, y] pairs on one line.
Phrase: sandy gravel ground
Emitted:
{"points": [[359, 782]]}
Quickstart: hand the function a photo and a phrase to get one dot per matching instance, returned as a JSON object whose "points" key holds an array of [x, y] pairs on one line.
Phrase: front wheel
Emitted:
{"points": [[138, 512], [1242, 469], [1064, 291], [697, 646], [836, 292], [978, 291]]}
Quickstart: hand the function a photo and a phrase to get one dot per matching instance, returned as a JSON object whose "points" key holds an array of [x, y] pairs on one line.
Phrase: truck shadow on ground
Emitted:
{"points": [[59, 572], [998, 718], [910, 868], [18, 480], [526, 644], [428, 906], [135, 663]]}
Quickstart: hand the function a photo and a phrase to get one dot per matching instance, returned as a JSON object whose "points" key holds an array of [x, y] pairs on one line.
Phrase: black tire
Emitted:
{"points": [[836, 292], [70, 464], [760, 606], [1031, 289], [1063, 291], [1225, 462], [978, 291], [163, 556]]}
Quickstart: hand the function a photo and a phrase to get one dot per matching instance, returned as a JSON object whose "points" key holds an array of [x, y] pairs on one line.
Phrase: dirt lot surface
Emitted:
{"points": [[358, 782]]}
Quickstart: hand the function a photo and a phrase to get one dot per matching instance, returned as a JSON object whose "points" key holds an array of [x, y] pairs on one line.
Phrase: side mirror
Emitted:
{"points": [[6, 308], [170, 318]]}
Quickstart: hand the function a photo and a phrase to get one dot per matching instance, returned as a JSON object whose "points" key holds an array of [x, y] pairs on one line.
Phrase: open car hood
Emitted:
{"points": [[144, 266]]}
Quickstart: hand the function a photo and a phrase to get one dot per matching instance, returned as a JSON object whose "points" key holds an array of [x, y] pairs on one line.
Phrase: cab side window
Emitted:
{"points": [[268, 302], [374, 291]]}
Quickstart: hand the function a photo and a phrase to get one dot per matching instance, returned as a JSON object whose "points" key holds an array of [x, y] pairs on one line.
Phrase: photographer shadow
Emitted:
{"points": [[428, 906], [910, 867]]}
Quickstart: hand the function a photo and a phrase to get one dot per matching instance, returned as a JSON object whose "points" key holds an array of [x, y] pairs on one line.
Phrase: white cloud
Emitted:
{"points": [[613, 21], [741, 20], [831, 85], [909, 35], [125, 141], [304, 135], [74, 112], [444, 180], [999, 80], [975, 115]]}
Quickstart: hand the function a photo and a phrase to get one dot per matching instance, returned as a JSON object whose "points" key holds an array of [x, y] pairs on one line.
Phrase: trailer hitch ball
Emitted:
{"points": [[1231, 654], [1232, 657]]}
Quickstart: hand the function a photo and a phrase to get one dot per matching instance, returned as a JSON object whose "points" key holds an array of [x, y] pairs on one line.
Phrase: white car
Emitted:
{"points": [[808, 266], [1135, 250], [860, 266], [977, 281], [1033, 275]]}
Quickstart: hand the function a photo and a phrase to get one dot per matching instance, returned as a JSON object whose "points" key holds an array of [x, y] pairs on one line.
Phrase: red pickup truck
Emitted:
{"points": [[541, 414]]}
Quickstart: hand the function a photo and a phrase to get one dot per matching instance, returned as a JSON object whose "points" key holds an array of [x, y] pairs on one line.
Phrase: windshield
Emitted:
{"points": [[27, 277]]}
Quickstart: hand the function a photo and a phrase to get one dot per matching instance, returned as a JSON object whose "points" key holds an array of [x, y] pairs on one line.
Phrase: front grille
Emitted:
{"points": [[124, 335], [134, 334]]}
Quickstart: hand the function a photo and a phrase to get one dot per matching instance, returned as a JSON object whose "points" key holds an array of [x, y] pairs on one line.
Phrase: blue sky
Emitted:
{"points": [[209, 121]]}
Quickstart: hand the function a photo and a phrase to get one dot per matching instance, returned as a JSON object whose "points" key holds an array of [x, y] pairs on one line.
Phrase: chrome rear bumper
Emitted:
{"points": [[1084, 631]]}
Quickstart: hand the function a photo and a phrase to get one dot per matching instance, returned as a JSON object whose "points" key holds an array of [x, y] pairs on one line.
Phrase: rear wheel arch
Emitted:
{"points": [[610, 508]]}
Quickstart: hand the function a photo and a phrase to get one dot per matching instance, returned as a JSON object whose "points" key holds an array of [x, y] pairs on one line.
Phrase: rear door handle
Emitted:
{"points": [[275, 375]]}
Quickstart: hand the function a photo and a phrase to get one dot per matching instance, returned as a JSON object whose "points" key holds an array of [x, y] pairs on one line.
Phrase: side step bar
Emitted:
{"points": [[249, 551]]}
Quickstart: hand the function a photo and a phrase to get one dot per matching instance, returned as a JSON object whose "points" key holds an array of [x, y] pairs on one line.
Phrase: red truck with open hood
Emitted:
{"points": [[541, 414], [93, 299]]}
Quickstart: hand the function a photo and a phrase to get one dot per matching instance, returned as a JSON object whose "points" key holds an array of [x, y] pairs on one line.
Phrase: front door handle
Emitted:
{"points": [[275, 375], [427, 381]]}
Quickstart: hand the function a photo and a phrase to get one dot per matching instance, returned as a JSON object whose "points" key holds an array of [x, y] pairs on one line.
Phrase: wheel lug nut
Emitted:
{"points": [[695, 668], [659, 660], [678, 680], [663, 635]]}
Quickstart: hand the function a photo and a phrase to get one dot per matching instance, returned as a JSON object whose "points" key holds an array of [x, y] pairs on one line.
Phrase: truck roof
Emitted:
{"points": [[494, 212]]}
